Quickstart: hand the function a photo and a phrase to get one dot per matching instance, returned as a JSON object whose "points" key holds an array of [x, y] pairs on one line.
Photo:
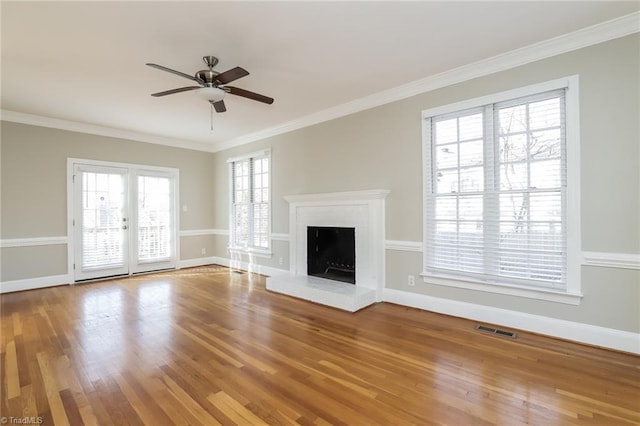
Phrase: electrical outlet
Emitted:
{"points": [[411, 280], [203, 251]]}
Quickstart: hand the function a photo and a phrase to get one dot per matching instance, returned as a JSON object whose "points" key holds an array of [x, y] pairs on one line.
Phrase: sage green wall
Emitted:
{"points": [[34, 191], [381, 148]]}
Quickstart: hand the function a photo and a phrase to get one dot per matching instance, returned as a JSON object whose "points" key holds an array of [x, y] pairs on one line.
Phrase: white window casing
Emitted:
{"points": [[250, 203], [501, 193]]}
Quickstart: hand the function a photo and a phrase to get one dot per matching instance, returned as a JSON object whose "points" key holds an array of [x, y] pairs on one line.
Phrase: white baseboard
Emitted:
{"points": [[54, 280], [33, 283], [250, 267], [200, 261], [584, 333]]}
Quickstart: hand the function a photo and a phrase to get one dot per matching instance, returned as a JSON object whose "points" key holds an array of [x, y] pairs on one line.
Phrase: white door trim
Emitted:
{"points": [[71, 162], [79, 273]]}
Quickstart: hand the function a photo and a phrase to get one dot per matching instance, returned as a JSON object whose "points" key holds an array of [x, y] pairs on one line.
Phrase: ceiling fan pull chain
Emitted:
{"points": [[211, 116]]}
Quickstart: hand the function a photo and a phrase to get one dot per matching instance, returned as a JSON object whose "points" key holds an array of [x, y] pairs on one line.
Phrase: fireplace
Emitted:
{"points": [[331, 253], [358, 215]]}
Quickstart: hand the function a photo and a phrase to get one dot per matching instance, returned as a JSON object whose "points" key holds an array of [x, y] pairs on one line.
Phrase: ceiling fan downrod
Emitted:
{"points": [[211, 61]]}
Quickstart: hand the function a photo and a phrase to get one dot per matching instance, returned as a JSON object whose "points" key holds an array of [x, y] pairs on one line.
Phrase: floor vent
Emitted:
{"points": [[496, 331]]}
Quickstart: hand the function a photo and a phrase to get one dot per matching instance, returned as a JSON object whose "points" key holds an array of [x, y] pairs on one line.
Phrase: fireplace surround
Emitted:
{"points": [[361, 210]]}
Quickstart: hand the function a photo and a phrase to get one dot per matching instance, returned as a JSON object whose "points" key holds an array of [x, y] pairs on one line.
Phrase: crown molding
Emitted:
{"points": [[92, 129], [599, 33]]}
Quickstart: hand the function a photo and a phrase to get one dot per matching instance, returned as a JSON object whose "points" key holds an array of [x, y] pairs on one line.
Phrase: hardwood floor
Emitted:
{"points": [[210, 346]]}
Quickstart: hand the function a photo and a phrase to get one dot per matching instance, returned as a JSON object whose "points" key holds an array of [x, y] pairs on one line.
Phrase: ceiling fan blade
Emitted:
{"points": [[250, 95], [231, 75], [172, 91], [219, 106], [181, 74]]}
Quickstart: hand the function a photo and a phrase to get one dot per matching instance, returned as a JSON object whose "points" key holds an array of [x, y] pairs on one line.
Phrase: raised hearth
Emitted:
{"points": [[361, 210]]}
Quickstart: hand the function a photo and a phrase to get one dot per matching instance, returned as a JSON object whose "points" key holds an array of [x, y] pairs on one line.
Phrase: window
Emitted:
{"points": [[498, 195], [250, 202]]}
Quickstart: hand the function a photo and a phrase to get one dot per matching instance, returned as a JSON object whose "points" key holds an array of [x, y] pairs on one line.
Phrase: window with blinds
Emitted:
{"points": [[250, 202], [496, 192]]}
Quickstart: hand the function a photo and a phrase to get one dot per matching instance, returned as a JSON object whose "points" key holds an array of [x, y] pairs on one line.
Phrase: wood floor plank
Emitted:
{"points": [[141, 401], [234, 410], [208, 346], [189, 403], [71, 408], [52, 389], [11, 371]]}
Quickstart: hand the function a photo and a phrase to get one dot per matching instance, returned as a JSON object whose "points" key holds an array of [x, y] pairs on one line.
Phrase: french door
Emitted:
{"points": [[124, 220]]}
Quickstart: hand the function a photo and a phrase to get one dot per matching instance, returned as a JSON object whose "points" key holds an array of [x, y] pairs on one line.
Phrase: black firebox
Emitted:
{"points": [[331, 253]]}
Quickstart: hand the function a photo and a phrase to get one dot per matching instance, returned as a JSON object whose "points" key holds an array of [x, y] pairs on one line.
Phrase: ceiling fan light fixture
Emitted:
{"points": [[211, 94]]}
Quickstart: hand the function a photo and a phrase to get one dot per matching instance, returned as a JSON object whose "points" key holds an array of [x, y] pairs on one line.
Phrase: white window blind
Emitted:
{"points": [[155, 214], [250, 202], [103, 196], [495, 192]]}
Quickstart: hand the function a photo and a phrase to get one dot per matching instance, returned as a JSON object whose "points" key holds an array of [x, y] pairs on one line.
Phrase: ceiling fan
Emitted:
{"points": [[213, 85]]}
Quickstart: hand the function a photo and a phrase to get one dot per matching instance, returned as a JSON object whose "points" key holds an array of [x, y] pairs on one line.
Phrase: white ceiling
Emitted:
{"points": [[85, 61]]}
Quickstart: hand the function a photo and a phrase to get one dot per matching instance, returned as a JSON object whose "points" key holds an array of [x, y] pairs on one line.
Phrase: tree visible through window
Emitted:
{"points": [[495, 192]]}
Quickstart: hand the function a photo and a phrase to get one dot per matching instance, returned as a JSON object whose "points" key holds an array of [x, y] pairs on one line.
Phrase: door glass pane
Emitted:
{"points": [[154, 218], [102, 213]]}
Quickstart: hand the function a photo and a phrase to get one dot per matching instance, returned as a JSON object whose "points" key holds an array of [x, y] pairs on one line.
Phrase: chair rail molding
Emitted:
{"points": [[611, 260], [33, 241], [399, 245], [589, 258], [199, 232]]}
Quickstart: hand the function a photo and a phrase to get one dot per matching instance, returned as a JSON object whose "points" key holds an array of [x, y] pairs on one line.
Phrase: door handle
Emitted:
{"points": [[124, 226]]}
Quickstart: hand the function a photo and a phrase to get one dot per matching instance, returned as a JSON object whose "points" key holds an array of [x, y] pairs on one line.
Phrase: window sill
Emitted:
{"points": [[549, 295], [267, 254]]}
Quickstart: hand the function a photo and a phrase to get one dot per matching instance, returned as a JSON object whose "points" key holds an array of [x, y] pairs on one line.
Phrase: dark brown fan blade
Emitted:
{"points": [[172, 91], [219, 106], [231, 75], [247, 94], [181, 74]]}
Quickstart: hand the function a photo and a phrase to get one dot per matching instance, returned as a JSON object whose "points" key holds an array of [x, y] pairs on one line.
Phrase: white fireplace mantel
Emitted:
{"points": [[362, 210]]}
